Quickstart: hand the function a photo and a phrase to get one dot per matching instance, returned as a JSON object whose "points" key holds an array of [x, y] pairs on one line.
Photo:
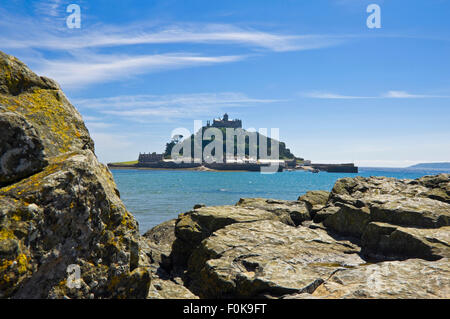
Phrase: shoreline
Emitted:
{"points": [[197, 169], [239, 167]]}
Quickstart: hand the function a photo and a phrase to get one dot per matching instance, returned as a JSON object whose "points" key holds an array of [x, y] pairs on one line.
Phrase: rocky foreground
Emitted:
{"points": [[59, 207], [369, 238]]}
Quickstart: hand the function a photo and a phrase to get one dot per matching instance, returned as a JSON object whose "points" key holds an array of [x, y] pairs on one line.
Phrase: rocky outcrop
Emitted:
{"points": [[385, 241], [64, 232], [266, 259], [43, 104], [368, 238], [290, 212], [22, 153], [315, 200], [409, 279], [194, 226], [393, 218], [438, 187]]}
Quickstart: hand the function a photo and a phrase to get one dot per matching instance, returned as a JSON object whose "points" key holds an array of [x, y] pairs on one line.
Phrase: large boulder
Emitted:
{"points": [[394, 218], [315, 200], [256, 249], [361, 187], [266, 258], [64, 232], [68, 214], [438, 186], [381, 240], [194, 226], [160, 240], [43, 104], [348, 219]]}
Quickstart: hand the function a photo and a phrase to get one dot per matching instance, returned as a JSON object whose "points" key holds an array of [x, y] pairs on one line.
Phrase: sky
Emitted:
{"points": [[337, 90]]}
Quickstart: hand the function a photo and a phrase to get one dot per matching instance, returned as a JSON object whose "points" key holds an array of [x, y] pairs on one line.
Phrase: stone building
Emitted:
{"points": [[150, 158], [225, 122]]}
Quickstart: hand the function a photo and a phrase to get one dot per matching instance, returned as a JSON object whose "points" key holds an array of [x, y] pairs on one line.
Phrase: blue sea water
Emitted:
{"points": [[155, 196]]}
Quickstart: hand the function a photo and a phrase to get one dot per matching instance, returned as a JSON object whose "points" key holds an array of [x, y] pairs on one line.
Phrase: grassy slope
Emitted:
{"points": [[125, 163]]}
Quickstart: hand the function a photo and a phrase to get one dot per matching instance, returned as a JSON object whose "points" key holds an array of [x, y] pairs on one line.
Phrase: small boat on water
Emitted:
{"points": [[315, 170]]}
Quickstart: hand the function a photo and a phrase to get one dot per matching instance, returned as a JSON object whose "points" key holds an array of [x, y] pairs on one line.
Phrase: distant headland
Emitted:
{"points": [[442, 165], [249, 143]]}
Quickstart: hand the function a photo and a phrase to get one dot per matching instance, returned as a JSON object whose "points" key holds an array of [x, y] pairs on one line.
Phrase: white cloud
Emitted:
{"points": [[110, 147], [156, 107], [97, 125], [110, 36], [406, 95], [88, 69], [328, 95], [51, 8], [172, 100], [76, 58], [388, 95], [91, 118]]}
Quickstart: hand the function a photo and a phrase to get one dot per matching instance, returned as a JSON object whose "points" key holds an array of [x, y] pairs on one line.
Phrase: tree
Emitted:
{"points": [[169, 146]]}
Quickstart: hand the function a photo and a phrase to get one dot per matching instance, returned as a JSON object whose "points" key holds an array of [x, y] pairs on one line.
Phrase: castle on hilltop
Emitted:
{"points": [[225, 122]]}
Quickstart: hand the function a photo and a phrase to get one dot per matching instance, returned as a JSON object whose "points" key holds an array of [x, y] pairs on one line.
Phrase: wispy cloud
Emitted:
{"points": [[99, 53], [387, 95], [328, 95], [49, 7], [171, 100], [94, 68], [406, 95], [143, 107], [141, 33]]}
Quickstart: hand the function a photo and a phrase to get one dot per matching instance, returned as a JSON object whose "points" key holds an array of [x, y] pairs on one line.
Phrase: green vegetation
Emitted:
{"points": [[125, 163], [284, 153]]}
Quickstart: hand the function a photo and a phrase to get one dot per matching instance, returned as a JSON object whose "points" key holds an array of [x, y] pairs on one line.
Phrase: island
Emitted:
{"points": [[248, 162]]}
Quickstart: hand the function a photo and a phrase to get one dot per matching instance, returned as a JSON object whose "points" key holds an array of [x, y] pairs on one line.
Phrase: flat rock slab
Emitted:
{"points": [[289, 212], [267, 258], [386, 240], [413, 212], [353, 215], [167, 289], [194, 226], [409, 279]]}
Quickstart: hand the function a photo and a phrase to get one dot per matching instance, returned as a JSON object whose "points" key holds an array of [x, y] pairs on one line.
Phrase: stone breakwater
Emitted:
{"points": [[367, 238]]}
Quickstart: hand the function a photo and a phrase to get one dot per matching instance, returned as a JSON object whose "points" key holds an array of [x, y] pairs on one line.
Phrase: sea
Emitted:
{"points": [[155, 196]]}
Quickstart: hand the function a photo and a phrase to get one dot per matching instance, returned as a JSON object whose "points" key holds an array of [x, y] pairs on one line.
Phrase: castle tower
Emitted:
{"points": [[225, 117]]}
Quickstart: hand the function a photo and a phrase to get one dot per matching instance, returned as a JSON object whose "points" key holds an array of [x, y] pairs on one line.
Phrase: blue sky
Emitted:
{"points": [[337, 90]]}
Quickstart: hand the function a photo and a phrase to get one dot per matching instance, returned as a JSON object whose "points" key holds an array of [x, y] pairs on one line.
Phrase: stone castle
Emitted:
{"points": [[225, 122]]}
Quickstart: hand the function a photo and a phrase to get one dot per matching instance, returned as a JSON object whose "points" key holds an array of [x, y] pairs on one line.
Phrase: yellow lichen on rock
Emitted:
{"points": [[64, 208], [50, 117]]}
